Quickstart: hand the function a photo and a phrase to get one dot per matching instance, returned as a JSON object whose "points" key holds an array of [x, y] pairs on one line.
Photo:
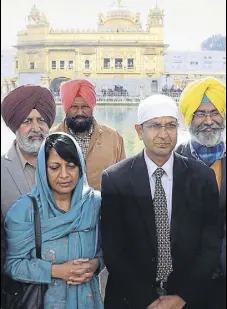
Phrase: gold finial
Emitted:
{"points": [[34, 9], [120, 3]]}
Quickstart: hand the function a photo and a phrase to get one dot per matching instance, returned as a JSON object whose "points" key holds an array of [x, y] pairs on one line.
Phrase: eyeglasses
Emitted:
{"points": [[205, 114], [156, 127]]}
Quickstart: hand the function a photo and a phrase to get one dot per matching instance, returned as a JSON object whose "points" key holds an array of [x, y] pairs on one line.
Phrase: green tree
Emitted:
{"points": [[215, 42]]}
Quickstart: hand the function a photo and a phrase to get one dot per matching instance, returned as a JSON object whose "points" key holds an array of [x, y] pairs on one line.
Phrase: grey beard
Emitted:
{"points": [[209, 139], [29, 146]]}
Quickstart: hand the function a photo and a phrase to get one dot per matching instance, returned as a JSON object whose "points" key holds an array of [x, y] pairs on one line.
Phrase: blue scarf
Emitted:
{"points": [[209, 155], [83, 216]]}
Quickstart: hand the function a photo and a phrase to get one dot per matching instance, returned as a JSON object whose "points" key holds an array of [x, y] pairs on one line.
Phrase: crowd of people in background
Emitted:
{"points": [[172, 90], [117, 91], [145, 232]]}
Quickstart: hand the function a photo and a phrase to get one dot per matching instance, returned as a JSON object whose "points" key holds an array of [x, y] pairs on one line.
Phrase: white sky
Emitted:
{"points": [[187, 22]]}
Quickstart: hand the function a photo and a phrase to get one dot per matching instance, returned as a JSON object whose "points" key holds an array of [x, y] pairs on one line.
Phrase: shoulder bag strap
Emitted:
{"points": [[38, 235]]}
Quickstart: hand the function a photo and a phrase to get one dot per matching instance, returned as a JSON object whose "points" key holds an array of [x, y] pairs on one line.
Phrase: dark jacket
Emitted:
{"points": [[129, 233], [185, 150], [223, 253]]}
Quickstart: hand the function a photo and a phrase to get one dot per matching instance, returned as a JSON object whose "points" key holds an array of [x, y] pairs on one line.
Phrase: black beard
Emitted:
{"points": [[79, 126]]}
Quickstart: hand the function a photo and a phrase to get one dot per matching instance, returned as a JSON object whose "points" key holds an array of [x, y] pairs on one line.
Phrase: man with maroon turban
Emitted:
{"points": [[29, 111], [101, 145]]}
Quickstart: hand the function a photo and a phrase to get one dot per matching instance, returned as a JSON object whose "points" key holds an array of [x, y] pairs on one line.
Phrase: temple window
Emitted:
{"points": [[32, 65], [53, 65], [16, 64], [106, 62], [70, 65], [62, 64], [118, 63], [130, 63], [87, 64], [194, 63]]}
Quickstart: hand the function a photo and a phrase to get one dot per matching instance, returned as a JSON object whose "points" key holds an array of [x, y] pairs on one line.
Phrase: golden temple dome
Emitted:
{"points": [[34, 10], [119, 18], [119, 10]]}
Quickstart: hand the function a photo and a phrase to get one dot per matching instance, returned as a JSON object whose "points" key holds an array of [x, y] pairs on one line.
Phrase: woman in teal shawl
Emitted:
{"points": [[71, 254]]}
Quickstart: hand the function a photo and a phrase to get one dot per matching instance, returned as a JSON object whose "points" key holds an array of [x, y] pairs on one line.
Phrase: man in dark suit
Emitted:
{"points": [[159, 220], [223, 254], [205, 116]]}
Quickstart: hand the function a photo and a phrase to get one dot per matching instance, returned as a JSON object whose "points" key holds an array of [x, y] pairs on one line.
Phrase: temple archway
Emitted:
{"points": [[56, 83]]}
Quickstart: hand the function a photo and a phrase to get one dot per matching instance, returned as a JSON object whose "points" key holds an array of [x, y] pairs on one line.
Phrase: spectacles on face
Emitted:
{"points": [[202, 115], [156, 127]]}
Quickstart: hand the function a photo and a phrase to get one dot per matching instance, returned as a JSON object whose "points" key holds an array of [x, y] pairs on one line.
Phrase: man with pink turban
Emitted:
{"points": [[29, 111], [101, 145]]}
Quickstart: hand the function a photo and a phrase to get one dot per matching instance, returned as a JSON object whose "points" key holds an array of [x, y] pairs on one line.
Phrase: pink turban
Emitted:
{"points": [[77, 88], [19, 103]]}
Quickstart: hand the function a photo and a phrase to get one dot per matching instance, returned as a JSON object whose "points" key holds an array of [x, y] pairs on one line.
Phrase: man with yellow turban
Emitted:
{"points": [[203, 107]]}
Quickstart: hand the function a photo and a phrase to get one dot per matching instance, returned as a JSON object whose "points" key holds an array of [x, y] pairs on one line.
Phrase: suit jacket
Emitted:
{"points": [[223, 253], [13, 180], [129, 233], [185, 151]]}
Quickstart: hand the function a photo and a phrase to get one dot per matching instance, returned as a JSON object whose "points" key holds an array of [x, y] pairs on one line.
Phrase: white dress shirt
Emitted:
{"points": [[167, 179]]}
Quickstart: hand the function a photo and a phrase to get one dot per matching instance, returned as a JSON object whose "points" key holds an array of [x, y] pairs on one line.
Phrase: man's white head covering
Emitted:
{"points": [[157, 105]]}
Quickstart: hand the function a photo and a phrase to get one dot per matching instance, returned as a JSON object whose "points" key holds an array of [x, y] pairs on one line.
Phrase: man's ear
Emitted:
{"points": [[139, 130]]}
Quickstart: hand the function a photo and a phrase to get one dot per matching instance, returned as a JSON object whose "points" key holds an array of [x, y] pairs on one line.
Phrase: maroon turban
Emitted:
{"points": [[19, 103]]}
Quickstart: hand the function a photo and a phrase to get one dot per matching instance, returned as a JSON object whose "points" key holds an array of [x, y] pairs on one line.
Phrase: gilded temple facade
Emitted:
{"points": [[118, 56]]}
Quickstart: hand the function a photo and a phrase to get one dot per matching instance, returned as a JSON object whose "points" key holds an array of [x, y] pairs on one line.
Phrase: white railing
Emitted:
{"points": [[133, 99]]}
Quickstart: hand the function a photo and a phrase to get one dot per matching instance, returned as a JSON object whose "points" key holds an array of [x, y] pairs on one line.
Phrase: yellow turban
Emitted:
{"points": [[192, 96]]}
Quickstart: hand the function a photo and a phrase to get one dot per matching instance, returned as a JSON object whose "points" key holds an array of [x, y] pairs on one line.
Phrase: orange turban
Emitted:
{"points": [[77, 88]]}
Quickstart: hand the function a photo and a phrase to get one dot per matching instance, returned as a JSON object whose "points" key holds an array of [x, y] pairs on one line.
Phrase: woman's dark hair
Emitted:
{"points": [[64, 147]]}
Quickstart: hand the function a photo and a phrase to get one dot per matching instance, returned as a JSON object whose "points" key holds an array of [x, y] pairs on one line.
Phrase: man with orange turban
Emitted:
{"points": [[203, 107], [29, 111], [101, 145]]}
